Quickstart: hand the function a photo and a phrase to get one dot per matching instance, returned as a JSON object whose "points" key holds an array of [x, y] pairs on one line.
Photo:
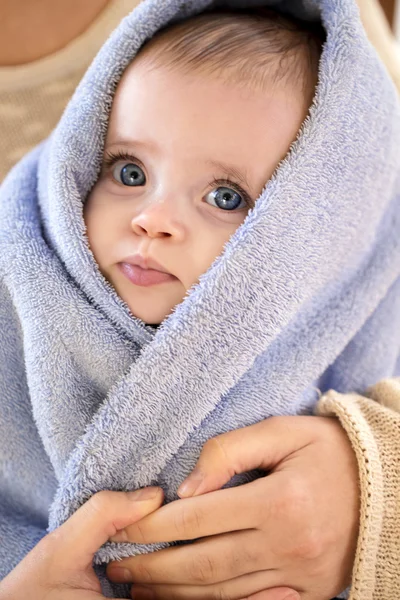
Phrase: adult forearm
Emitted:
{"points": [[31, 30]]}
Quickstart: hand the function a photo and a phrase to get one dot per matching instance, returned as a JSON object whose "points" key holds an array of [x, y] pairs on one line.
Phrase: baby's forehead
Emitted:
{"points": [[257, 47], [175, 124]]}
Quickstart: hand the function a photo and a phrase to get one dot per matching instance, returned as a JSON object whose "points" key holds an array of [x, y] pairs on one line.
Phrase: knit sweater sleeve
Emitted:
{"points": [[372, 423]]}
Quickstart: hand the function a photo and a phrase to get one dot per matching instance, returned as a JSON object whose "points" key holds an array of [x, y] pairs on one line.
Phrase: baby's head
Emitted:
{"points": [[200, 120]]}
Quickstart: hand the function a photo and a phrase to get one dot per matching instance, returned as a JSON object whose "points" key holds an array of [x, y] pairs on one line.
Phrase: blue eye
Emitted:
{"points": [[226, 198], [131, 175]]}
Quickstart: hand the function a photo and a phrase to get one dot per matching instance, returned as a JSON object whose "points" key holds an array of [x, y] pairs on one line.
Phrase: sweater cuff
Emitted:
{"points": [[372, 423]]}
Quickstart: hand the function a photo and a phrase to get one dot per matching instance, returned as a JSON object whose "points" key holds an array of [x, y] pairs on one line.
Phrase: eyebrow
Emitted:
{"points": [[229, 170], [129, 143]]}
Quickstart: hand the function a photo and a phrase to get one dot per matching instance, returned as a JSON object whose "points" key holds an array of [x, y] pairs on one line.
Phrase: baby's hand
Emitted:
{"points": [[60, 565]]}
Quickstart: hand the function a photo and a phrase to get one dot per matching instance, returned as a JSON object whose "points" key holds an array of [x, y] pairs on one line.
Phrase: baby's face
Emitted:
{"points": [[198, 154]]}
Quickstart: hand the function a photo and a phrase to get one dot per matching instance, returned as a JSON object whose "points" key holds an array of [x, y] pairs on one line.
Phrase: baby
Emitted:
{"points": [[304, 296], [187, 154]]}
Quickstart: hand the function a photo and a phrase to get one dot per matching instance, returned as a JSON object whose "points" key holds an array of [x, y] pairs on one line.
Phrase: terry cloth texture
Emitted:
{"points": [[305, 295], [374, 431]]}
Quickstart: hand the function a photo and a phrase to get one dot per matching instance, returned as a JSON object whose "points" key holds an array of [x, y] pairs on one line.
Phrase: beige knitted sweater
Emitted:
{"points": [[372, 422], [32, 99]]}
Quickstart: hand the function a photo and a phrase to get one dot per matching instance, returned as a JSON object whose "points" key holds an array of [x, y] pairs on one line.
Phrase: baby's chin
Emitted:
{"points": [[152, 311], [149, 304], [152, 320]]}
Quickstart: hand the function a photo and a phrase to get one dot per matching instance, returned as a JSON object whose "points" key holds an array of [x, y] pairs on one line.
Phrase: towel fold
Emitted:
{"points": [[91, 398]]}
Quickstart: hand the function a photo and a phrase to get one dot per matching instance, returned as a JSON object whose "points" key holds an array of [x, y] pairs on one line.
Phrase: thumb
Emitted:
{"points": [[259, 446], [100, 518]]}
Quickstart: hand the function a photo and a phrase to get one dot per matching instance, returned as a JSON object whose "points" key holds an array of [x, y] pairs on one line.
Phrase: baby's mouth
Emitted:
{"points": [[144, 277]]}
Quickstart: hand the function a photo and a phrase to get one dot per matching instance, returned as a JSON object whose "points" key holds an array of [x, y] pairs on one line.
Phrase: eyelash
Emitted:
{"points": [[111, 158]]}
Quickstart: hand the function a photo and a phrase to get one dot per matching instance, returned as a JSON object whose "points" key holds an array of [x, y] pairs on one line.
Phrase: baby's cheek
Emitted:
{"points": [[95, 222]]}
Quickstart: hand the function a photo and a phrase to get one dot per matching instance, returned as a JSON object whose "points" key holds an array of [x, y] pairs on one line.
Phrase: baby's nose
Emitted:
{"points": [[158, 220], [148, 229]]}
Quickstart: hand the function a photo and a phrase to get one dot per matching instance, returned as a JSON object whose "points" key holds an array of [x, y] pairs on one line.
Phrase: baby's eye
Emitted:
{"points": [[130, 174], [226, 198]]}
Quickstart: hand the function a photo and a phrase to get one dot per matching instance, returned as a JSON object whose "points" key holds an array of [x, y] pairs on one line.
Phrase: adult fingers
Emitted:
{"points": [[98, 519], [282, 593], [210, 514], [234, 589], [259, 446], [207, 561], [60, 565]]}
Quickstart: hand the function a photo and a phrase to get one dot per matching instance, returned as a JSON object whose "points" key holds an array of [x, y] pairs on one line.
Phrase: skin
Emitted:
{"points": [[60, 566], [291, 534], [31, 30], [172, 217], [295, 540], [297, 527]]}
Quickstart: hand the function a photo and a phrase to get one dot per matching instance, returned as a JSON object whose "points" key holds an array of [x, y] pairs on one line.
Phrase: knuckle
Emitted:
{"points": [[295, 500], [219, 448], [248, 560], [298, 508], [307, 547], [102, 505], [221, 594], [172, 594], [100, 502], [201, 569], [213, 446], [139, 532], [188, 521], [141, 572], [217, 445], [243, 559]]}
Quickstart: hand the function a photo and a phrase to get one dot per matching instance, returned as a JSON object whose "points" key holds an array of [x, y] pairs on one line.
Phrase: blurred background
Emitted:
{"points": [[392, 14], [47, 45]]}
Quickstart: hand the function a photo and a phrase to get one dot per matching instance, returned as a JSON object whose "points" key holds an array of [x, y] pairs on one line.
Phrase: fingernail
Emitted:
{"points": [[191, 484], [119, 574], [143, 593], [292, 596], [148, 493]]}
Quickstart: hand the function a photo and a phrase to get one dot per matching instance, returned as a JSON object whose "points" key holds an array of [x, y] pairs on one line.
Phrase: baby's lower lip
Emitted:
{"points": [[144, 277]]}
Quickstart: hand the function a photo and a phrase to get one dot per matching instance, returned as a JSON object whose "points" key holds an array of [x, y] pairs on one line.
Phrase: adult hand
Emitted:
{"points": [[297, 527], [59, 567]]}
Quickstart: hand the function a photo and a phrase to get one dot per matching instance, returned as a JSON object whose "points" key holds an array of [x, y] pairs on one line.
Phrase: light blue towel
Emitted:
{"points": [[90, 397]]}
